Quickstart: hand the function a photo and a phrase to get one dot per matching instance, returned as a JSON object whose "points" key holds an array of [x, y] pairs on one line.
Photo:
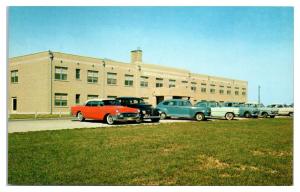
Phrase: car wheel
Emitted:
{"points": [[163, 116], [155, 120], [264, 115], [80, 116], [229, 116], [291, 114], [109, 119], [200, 117], [139, 120], [272, 116], [247, 114]]}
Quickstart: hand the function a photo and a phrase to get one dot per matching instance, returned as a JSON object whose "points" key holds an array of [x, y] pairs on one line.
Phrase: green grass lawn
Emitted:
{"points": [[248, 152]]}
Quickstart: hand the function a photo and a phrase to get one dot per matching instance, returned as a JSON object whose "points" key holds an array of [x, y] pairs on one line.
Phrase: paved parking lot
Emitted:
{"points": [[57, 124]]}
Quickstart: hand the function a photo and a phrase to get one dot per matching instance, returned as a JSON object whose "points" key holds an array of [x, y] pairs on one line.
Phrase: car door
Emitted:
{"points": [[98, 110], [93, 110], [87, 109], [183, 109], [172, 108]]}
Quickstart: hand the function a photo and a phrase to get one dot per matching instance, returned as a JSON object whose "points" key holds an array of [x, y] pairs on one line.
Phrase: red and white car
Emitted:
{"points": [[108, 110]]}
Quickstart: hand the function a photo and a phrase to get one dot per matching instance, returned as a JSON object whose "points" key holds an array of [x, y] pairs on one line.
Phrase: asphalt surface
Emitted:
{"points": [[57, 124]]}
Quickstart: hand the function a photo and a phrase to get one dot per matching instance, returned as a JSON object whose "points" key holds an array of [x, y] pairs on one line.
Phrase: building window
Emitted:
{"points": [[146, 99], [221, 91], [172, 83], [228, 87], [92, 76], [14, 103], [111, 97], [243, 93], [236, 92], [92, 97], [212, 90], [144, 81], [212, 85], [61, 99], [77, 74], [236, 88], [193, 86], [203, 89], [77, 98], [61, 73], [159, 82], [228, 92], [111, 78], [14, 76], [128, 80]]}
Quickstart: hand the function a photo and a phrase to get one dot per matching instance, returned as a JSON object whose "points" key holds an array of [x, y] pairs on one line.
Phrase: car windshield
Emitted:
{"points": [[111, 102], [132, 101]]}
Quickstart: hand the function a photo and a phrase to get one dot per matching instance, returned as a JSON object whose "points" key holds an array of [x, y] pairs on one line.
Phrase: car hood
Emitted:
{"points": [[141, 106]]}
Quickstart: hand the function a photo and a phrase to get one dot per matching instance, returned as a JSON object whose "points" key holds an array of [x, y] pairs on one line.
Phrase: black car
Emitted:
{"points": [[146, 110]]}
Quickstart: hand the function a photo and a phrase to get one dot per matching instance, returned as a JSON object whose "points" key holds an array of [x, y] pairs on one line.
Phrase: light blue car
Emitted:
{"points": [[182, 108]]}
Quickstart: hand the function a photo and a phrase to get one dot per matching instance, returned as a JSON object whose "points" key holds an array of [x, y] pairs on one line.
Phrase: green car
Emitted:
{"points": [[182, 108]]}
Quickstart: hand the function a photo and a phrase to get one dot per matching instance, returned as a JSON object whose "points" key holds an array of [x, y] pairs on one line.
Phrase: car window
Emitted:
{"points": [[172, 103], [166, 103], [184, 103], [201, 104], [92, 103], [110, 102]]}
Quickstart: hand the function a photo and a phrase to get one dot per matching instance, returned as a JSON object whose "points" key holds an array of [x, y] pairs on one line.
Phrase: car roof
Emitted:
{"points": [[124, 97], [102, 99], [176, 100]]}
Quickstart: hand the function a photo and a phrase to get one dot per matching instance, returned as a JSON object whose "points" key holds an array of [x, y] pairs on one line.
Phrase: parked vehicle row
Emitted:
{"points": [[135, 109], [283, 109]]}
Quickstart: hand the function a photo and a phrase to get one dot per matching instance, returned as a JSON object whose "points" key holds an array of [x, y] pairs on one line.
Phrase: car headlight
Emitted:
{"points": [[117, 111], [144, 112], [138, 111]]}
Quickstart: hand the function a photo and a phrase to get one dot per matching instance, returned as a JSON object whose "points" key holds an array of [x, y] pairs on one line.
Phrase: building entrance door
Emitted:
{"points": [[159, 99], [177, 97], [14, 104]]}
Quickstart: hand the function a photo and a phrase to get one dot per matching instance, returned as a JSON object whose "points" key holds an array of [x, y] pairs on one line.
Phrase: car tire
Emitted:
{"points": [[229, 116], [163, 115], [80, 116], [272, 116], [291, 114], [247, 114], [155, 120], [200, 117], [109, 119], [264, 114], [139, 120]]}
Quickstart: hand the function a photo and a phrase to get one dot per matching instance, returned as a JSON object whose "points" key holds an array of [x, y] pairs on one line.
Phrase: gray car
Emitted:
{"points": [[264, 111], [245, 111]]}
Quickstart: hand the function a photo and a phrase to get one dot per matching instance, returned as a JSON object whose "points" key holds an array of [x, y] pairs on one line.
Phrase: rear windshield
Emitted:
{"points": [[111, 102]]}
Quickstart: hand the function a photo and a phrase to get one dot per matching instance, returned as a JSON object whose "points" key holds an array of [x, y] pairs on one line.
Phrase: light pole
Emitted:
{"points": [[51, 56], [258, 94]]}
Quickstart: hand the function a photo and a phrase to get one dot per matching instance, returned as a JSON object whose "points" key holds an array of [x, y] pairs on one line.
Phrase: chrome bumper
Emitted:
{"points": [[126, 117]]}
